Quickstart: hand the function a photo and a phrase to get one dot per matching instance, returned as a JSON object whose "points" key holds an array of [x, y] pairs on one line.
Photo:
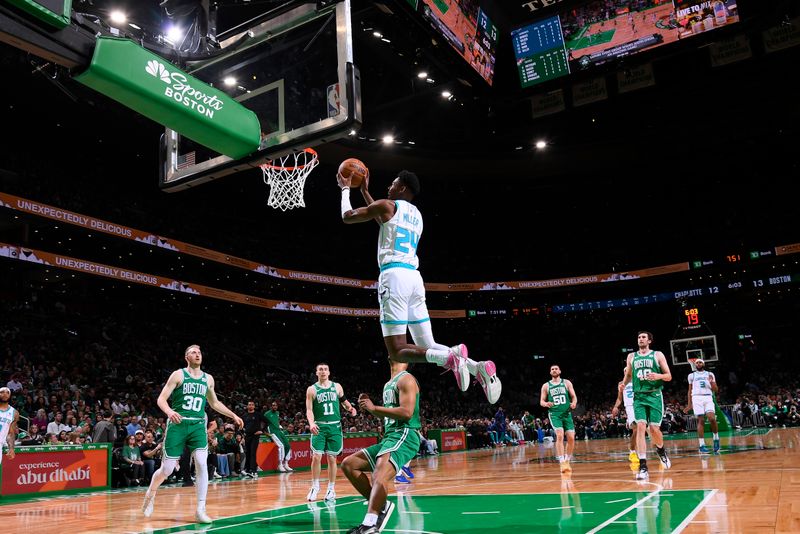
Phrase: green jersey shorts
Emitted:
{"points": [[562, 420], [401, 445], [329, 440], [648, 407], [189, 432]]}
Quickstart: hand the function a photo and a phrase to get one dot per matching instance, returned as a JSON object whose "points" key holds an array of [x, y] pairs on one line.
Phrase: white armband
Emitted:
{"points": [[346, 201]]}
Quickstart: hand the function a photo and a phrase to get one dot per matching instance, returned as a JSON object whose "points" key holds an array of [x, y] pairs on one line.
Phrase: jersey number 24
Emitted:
{"points": [[406, 240]]}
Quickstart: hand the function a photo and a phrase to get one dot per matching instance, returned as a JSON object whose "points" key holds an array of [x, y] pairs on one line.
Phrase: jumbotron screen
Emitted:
{"points": [[468, 30], [601, 31]]}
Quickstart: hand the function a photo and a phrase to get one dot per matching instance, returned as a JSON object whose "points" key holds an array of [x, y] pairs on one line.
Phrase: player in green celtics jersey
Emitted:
{"points": [[558, 396], [400, 443], [279, 437], [325, 424], [648, 370], [183, 400]]}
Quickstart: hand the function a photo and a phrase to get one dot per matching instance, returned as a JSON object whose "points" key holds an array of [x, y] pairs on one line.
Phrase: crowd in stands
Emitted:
{"points": [[78, 377]]}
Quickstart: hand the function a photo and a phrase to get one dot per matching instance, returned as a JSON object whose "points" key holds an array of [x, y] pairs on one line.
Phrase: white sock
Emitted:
{"points": [[560, 458], [716, 435], [201, 476], [370, 520], [161, 474], [331, 484], [633, 451], [315, 483], [439, 357], [702, 441]]}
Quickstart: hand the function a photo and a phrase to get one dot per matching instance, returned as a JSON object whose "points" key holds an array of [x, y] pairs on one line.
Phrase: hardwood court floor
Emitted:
{"points": [[753, 487]]}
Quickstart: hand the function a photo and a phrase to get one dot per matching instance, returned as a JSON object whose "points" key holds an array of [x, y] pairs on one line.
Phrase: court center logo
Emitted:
{"points": [[181, 91]]}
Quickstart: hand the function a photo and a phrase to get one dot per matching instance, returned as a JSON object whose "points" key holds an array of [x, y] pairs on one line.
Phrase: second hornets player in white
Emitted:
{"points": [[9, 416], [625, 396], [401, 291], [702, 385]]}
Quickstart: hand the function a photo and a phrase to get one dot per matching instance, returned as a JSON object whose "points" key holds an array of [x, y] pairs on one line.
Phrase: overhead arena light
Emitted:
{"points": [[118, 17], [174, 34]]}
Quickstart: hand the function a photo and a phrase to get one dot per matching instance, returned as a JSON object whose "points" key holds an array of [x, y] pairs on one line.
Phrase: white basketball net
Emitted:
{"points": [[286, 177]]}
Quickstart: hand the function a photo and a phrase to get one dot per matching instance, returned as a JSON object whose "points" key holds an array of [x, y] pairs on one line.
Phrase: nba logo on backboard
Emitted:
{"points": [[334, 102]]}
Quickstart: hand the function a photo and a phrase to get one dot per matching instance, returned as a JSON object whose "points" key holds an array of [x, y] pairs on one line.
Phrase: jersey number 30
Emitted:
{"points": [[192, 403]]}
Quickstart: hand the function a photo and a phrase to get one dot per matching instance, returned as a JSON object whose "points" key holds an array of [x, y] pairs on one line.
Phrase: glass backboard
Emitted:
{"points": [[294, 69]]}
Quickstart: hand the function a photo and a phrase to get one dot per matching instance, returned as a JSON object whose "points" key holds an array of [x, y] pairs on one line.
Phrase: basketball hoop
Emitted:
{"points": [[692, 355], [286, 177]]}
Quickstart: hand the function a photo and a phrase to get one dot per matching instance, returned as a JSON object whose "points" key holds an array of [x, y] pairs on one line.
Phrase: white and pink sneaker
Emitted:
{"points": [[457, 362], [487, 378]]}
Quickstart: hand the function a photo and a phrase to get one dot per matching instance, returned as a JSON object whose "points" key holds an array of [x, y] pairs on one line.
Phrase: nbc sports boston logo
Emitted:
{"points": [[180, 89]]}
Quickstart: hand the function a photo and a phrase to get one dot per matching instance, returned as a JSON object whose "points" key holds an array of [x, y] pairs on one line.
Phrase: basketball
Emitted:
{"points": [[355, 170]]}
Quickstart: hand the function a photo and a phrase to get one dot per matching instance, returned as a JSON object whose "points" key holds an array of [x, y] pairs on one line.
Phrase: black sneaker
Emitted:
{"points": [[662, 455], [384, 516], [363, 529]]}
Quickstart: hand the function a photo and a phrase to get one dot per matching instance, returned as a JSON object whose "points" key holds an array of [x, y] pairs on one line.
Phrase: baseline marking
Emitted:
{"points": [[614, 518], [276, 517], [694, 512]]}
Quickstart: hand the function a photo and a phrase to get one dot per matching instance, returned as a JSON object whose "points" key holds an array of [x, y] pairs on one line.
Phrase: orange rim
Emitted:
{"points": [[311, 151]]}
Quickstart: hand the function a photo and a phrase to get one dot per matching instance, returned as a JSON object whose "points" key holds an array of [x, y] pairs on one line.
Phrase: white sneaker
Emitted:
{"points": [[312, 493], [487, 378], [330, 495], [287, 468], [217, 475], [147, 505], [457, 363], [202, 517], [281, 468]]}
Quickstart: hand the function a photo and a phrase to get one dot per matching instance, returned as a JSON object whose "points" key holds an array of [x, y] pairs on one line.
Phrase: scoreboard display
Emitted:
{"points": [[589, 34], [540, 52]]}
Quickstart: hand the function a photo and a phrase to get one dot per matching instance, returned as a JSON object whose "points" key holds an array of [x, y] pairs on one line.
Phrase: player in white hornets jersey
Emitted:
{"points": [[702, 386], [8, 422], [625, 396], [401, 291]]}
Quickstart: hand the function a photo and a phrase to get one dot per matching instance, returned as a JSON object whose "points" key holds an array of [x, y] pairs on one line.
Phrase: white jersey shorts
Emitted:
{"points": [[627, 400], [629, 414], [703, 404], [401, 296]]}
